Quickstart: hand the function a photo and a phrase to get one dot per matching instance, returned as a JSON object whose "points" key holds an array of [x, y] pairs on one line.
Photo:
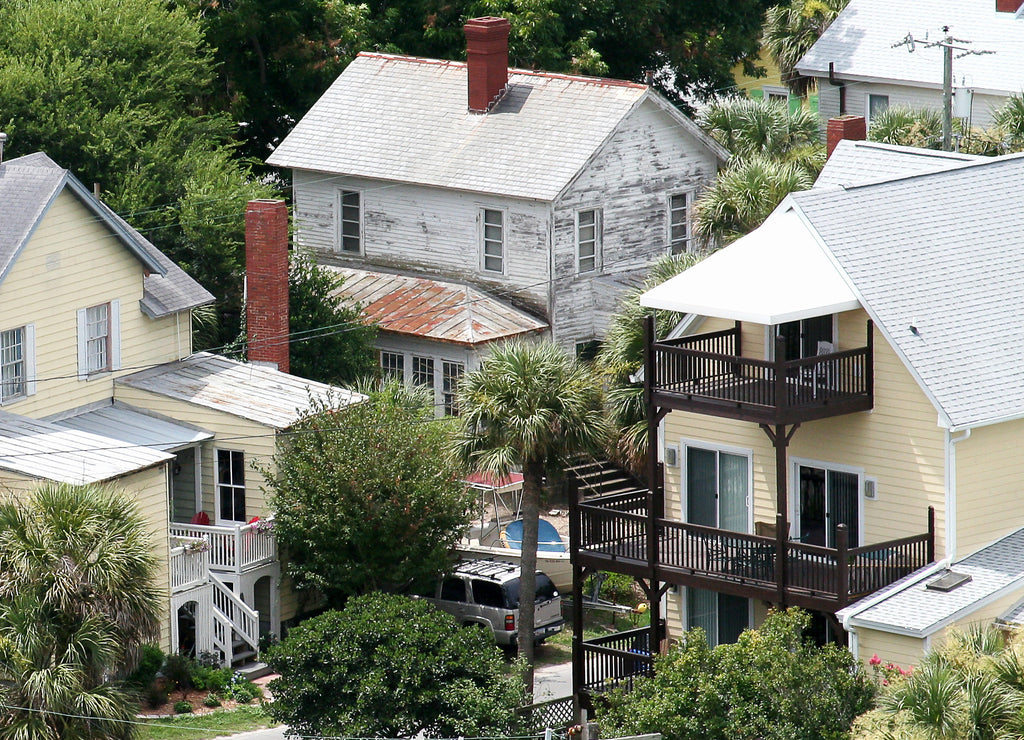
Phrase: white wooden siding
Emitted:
{"points": [[72, 261]]}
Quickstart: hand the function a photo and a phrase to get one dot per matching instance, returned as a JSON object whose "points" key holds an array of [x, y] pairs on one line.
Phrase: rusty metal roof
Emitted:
{"points": [[435, 309]]}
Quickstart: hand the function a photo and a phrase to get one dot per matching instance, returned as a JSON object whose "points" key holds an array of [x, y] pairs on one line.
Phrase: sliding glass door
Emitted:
{"points": [[828, 498]]}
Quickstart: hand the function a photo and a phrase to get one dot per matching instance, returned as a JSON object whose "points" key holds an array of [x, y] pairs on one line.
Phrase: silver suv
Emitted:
{"points": [[486, 593]]}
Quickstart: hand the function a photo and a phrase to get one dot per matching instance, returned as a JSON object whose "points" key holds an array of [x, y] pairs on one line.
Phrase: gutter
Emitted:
{"points": [[950, 523]]}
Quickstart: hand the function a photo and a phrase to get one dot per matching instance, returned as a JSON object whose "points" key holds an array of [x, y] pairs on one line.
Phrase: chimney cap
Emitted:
{"points": [[488, 22]]}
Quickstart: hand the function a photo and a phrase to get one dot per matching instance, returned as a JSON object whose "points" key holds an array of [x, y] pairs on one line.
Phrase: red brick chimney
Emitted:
{"points": [[854, 128], [486, 60], [266, 281], [1007, 6]]}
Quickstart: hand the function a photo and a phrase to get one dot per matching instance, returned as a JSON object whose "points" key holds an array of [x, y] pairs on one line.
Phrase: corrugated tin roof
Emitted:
{"points": [[406, 119], [48, 451], [28, 185], [435, 309], [909, 607], [860, 44], [120, 421], [248, 391]]}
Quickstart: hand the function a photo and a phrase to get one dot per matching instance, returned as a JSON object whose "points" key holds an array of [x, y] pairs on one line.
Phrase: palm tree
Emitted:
{"points": [[790, 30], [766, 128], [76, 601], [532, 406], [906, 126], [622, 356], [1009, 120]]}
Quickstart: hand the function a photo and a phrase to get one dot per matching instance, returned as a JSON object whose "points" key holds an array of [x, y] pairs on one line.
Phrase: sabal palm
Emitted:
{"points": [[532, 406], [76, 600], [790, 30], [1009, 120], [750, 128], [906, 126]]}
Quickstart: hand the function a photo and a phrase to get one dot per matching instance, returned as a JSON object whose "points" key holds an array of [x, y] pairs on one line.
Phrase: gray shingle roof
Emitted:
{"points": [[940, 252], [858, 162], [405, 119], [860, 44], [28, 185], [908, 607], [248, 391]]}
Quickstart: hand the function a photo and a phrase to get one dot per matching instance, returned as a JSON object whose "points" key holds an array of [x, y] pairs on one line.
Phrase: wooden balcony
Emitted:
{"points": [[613, 661], [615, 536], [707, 374], [236, 548]]}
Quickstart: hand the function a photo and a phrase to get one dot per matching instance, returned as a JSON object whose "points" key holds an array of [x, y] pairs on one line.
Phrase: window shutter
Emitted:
{"points": [[83, 359], [115, 335], [30, 359]]}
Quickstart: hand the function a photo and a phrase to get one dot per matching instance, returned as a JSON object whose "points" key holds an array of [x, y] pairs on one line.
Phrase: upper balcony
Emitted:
{"points": [[237, 548], [708, 374]]}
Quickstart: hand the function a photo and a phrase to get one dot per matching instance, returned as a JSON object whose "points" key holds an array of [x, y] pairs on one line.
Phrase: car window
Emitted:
{"points": [[487, 593], [545, 590], [453, 589]]}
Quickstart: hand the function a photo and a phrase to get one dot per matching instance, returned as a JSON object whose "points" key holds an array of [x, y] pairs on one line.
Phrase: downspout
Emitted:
{"points": [[840, 84], [951, 443]]}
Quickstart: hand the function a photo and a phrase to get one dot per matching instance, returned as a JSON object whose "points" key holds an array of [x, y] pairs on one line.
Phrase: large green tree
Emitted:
{"points": [[77, 599], [790, 30], [772, 684], [529, 406], [390, 666], [366, 498], [119, 92]]}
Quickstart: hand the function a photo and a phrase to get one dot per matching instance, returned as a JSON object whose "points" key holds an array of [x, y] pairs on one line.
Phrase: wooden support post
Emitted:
{"points": [[575, 543], [781, 390], [655, 502], [842, 565], [869, 371], [931, 534], [780, 441]]}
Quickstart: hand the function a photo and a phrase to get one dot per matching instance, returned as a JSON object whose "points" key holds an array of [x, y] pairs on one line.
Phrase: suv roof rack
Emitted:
{"points": [[486, 568]]}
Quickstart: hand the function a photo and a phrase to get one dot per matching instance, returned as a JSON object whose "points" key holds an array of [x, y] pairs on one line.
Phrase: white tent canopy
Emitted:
{"points": [[776, 273]]}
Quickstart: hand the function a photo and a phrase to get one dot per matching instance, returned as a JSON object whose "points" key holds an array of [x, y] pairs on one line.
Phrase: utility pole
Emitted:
{"points": [[949, 45]]}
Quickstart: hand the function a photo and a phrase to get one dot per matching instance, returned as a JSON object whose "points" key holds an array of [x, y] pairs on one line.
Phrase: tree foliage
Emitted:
{"points": [[790, 31], [772, 684], [366, 498], [391, 666], [77, 599], [529, 406], [118, 91], [906, 126], [330, 340], [749, 128]]}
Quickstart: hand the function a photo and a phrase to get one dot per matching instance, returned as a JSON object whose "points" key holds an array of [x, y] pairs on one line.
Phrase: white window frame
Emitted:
{"points": [[389, 372], [774, 92], [867, 105], [485, 241], [27, 362], [746, 452], [795, 463], [669, 211], [113, 340], [594, 242], [341, 221], [219, 488]]}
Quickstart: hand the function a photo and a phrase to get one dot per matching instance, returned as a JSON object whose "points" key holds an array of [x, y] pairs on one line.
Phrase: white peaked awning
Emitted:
{"points": [[776, 273]]}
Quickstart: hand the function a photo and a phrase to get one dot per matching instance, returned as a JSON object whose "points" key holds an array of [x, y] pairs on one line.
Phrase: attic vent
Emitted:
{"points": [[948, 581]]}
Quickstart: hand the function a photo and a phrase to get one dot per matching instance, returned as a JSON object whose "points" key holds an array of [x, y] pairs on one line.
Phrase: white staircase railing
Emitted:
{"points": [[234, 548], [243, 619], [223, 636]]}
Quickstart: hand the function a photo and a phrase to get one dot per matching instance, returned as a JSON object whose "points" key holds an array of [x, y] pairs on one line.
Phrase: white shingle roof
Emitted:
{"points": [[860, 44], [909, 607], [858, 162], [406, 119], [940, 252], [248, 391]]}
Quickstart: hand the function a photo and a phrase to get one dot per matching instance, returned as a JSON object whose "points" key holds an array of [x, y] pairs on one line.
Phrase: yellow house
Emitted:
{"points": [[99, 384], [838, 417]]}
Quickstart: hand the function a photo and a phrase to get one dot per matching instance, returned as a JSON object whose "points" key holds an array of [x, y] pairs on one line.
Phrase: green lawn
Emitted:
{"points": [[558, 649], [214, 724]]}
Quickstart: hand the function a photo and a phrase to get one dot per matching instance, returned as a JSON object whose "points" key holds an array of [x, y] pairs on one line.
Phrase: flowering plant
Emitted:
{"points": [[885, 674], [263, 525], [192, 545]]}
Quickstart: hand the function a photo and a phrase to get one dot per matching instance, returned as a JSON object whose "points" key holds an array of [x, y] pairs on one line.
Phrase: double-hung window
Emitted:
{"points": [[493, 240], [231, 485], [392, 365], [99, 340], [350, 222], [679, 223], [451, 373], [423, 371], [16, 363], [588, 240]]}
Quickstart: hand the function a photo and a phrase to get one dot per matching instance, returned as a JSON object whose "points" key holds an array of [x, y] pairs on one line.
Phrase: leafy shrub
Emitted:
{"points": [[182, 707], [243, 690], [178, 670], [615, 587], [204, 678], [155, 694], [151, 658], [211, 700]]}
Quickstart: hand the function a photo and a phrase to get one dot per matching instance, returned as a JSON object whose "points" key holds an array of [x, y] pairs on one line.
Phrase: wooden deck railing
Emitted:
{"points": [[618, 532], [611, 660], [233, 548]]}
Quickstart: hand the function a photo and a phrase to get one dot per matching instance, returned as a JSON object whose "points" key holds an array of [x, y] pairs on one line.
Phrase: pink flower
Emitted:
{"points": [[903, 672], [875, 660], [885, 682]]}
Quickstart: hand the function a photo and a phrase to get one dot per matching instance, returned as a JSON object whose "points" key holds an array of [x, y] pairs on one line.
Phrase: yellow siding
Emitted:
{"points": [[989, 492], [902, 650], [149, 489], [72, 261]]}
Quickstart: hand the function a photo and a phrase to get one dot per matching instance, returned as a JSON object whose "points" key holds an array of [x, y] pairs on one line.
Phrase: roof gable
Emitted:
{"points": [[406, 119], [859, 43]]}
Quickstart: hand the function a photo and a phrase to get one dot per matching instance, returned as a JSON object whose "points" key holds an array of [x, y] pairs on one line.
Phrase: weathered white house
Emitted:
{"points": [[860, 68], [549, 191]]}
